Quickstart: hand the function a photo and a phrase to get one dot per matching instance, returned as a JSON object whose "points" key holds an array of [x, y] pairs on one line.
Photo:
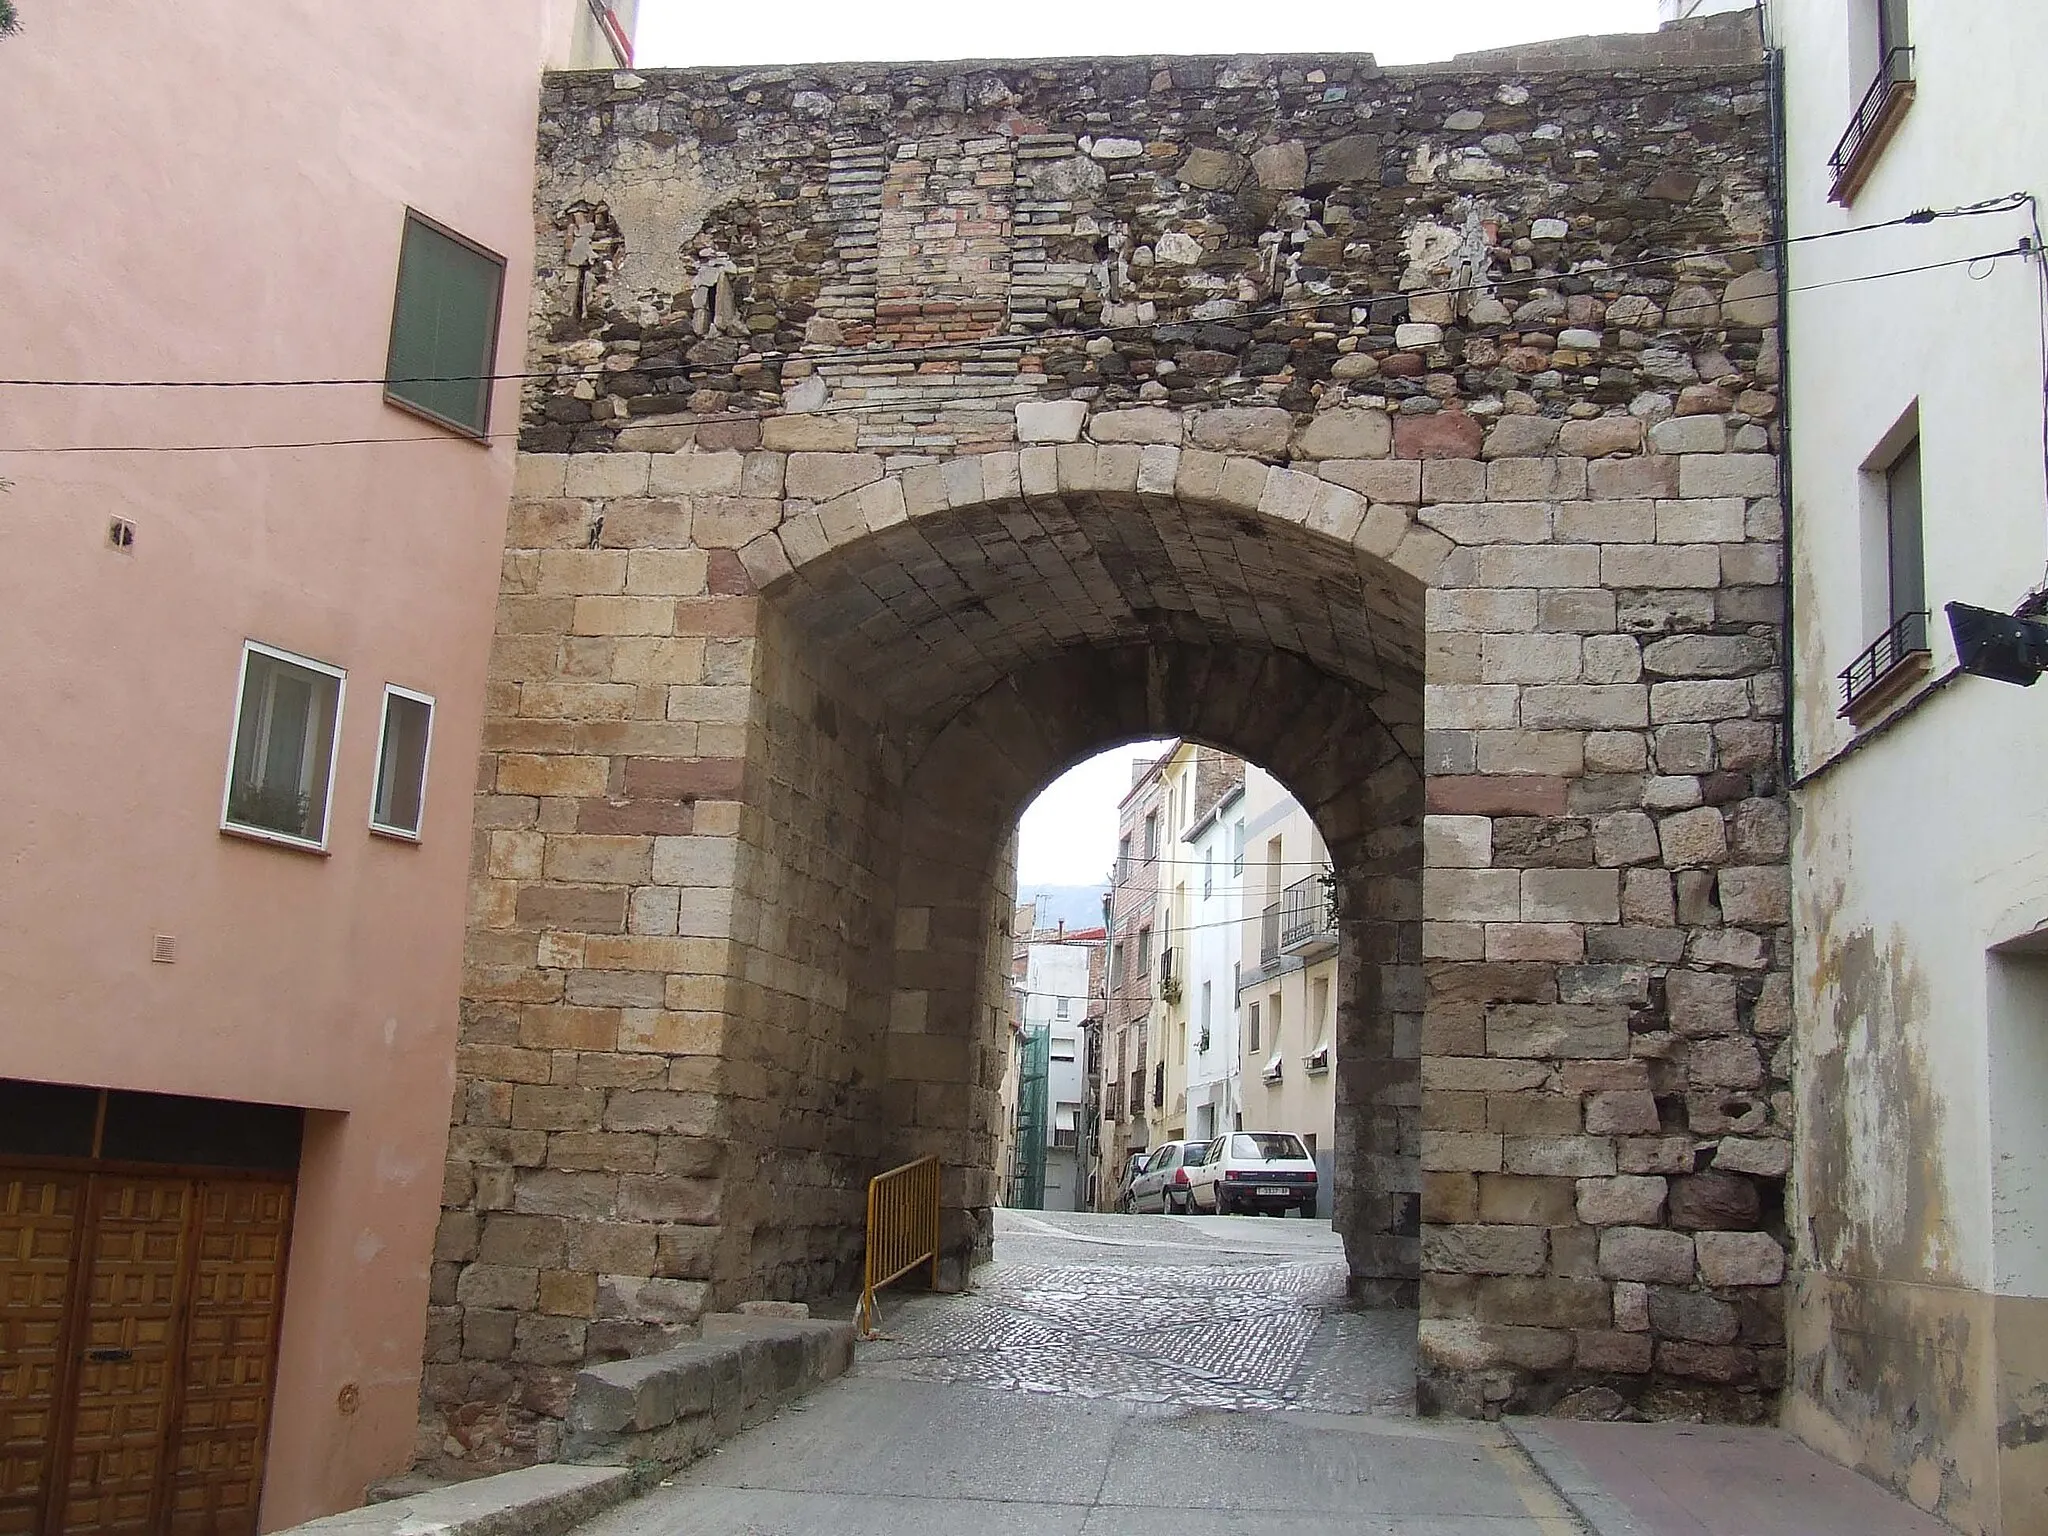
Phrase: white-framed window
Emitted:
{"points": [[1060, 1007], [281, 764], [403, 745]]}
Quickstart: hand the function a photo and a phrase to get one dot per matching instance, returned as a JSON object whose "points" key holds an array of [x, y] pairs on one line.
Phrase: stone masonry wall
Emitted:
{"points": [[1455, 389]]}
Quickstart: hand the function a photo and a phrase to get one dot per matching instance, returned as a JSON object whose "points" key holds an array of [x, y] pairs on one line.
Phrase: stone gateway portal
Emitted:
{"points": [[901, 435]]}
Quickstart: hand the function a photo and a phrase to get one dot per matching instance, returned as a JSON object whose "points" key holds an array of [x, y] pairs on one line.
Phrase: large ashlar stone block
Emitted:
{"points": [[1140, 424], [810, 433], [1647, 1254], [1486, 1250], [1346, 434], [1626, 1200], [1740, 1258], [1050, 421], [1258, 430]]}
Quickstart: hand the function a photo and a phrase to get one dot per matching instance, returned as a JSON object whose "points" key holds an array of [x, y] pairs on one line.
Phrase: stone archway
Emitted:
{"points": [[990, 620], [1362, 787], [756, 759]]}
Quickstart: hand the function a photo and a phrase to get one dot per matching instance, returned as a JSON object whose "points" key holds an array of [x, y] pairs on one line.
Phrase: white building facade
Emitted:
{"points": [[1287, 976], [1056, 1001], [1918, 1318], [1215, 881]]}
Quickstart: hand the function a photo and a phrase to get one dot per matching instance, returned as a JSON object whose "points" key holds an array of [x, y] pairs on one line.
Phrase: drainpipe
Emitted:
{"points": [[1781, 230]]}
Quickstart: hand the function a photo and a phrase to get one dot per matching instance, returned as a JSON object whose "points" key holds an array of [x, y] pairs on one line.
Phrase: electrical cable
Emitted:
{"points": [[2005, 204], [850, 406]]}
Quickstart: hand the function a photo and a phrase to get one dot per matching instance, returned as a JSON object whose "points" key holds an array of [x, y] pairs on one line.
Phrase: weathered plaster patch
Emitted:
{"points": [[1877, 1189], [1899, 1371]]}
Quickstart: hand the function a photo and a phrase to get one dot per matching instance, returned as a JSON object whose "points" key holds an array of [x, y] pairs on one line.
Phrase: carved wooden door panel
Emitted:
{"points": [[38, 1227], [127, 1344], [138, 1348], [230, 1358]]}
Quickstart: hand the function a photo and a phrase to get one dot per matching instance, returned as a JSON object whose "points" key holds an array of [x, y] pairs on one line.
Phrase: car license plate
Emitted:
{"points": [[1273, 1189]]}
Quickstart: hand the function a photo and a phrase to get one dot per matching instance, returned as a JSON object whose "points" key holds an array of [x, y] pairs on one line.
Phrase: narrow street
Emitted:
{"points": [[1120, 1374]]}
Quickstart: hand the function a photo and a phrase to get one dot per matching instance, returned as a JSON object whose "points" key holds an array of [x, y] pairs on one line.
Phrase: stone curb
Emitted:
{"points": [[1597, 1509], [547, 1500], [674, 1406]]}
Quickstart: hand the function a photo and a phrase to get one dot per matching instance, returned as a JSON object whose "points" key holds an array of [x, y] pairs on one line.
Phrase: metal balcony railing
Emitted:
{"points": [[1169, 975], [1305, 921], [1906, 639], [1876, 117]]}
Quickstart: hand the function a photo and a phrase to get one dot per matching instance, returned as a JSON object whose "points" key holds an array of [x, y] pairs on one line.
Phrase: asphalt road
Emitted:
{"points": [[1131, 1374]]}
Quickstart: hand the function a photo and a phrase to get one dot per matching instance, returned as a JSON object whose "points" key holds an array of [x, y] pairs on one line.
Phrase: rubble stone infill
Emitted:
{"points": [[778, 612]]}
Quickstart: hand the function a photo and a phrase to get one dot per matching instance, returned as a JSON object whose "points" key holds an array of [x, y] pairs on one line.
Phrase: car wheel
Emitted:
{"points": [[1171, 1206]]}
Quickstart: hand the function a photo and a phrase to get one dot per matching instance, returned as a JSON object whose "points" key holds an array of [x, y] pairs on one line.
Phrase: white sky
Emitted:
{"points": [[1068, 836], [682, 33]]}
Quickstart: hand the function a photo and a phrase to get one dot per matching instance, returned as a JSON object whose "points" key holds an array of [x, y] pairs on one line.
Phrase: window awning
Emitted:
{"points": [[1274, 1067]]}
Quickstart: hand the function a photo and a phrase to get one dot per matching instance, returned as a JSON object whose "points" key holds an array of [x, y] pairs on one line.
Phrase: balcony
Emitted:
{"points": [[1169, 975], [1307, 928], [1886, 670], [1876, 120], [1269, 936]]}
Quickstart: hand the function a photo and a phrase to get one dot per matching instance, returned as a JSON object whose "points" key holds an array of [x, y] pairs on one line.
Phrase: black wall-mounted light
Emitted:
{"points": [[2005, 647]]}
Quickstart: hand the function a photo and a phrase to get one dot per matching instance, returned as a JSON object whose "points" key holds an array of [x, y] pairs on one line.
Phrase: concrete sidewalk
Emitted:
{"points": [[869, 1456], [1709, 1480]]}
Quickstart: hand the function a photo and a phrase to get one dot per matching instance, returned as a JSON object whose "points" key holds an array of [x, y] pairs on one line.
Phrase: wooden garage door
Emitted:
{"points": [[126, 1342], [38, 1220], [142, 1394], [230, 1358]]}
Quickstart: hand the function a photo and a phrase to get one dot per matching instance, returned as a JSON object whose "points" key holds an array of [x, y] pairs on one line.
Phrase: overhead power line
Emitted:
{"points": [[1028, 340]]}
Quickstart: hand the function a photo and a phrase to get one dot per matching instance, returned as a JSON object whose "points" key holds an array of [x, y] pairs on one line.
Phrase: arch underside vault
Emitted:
{"points": [[922, 681]]}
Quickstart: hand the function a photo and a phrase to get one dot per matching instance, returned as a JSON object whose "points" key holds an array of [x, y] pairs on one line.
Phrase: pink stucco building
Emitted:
{"points": [[245, 635]]}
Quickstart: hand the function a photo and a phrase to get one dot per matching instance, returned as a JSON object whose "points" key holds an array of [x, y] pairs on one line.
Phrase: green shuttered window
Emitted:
{"points": [[444, 327]]}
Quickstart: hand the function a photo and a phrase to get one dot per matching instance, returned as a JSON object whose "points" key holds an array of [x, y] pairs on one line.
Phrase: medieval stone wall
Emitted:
{"points": [[903, 434]]}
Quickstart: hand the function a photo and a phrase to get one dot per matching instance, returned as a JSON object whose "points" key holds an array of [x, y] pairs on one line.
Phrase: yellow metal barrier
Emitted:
{"points": [[903, 1230]]}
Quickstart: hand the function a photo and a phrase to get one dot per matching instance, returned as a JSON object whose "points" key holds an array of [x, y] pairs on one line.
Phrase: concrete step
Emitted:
{"points": [[626, 1419], [676, 1405]]}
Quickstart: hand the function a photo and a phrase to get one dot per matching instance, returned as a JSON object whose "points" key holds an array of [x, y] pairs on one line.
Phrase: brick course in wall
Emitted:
{"points": [[1411, 433]]}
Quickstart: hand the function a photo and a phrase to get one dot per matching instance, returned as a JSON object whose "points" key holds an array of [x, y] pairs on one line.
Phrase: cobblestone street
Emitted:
{"points": [[1126, 1374], [1197, 1311]]}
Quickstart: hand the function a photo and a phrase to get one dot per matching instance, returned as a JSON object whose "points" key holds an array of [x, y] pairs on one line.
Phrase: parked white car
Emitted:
{"points": [[1163, 1184], [1246, 1171]]}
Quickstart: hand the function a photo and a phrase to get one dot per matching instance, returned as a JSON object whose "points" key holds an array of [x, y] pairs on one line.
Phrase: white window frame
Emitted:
{"points": [[391, 691], [268, 834]]}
